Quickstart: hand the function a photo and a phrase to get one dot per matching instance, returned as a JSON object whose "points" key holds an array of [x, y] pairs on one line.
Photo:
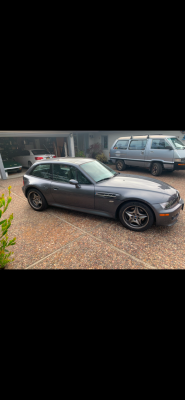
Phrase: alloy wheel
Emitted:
{"points": [[35, 200], [135, 217]]}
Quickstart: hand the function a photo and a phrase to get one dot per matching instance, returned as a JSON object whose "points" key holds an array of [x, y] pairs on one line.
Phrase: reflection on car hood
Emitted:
{"points": [[138, 183]]}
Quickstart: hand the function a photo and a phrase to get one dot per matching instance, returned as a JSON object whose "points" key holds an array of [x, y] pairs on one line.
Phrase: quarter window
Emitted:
{"points": [[64, 173], [137, 144], [42, 171], [82, 179], [121, 144]]}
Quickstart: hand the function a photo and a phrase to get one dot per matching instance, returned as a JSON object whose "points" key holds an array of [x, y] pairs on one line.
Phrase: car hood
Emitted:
{"points": [[138, 183], [10, 164], [180, 153]]}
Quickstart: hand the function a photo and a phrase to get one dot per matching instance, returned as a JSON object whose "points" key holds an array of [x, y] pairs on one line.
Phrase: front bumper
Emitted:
{"points": [[172, 218], [179, 165]]}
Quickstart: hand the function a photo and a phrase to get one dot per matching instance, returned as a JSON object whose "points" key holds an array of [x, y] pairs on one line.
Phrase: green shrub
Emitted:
{"points": [[80, 153], [5, 225], [102, 158]]}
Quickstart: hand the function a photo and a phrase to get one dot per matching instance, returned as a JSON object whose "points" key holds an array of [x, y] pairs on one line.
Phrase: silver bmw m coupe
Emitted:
{"points": [[87, 185]]}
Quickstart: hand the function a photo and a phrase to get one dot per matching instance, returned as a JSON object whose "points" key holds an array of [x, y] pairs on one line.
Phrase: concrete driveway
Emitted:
{"points": [[61, 239]]}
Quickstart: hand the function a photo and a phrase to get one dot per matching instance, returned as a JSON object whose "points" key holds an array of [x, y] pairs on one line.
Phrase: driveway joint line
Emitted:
{"points": [[108, 244], [54, 252]]}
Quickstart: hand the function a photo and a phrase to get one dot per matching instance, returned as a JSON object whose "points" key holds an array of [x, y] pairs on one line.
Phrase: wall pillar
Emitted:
{"points": [[71, 146], [2, 170]]}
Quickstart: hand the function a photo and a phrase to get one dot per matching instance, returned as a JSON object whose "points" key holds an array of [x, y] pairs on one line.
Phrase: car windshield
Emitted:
{"points": [[177, 143], [40, 152], [97, 171]]}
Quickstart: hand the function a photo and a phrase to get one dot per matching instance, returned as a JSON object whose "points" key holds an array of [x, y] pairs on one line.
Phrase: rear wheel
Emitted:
{"points": [[136, 216], [29, 164], [156, 169], [36, 200], [120, 165]]}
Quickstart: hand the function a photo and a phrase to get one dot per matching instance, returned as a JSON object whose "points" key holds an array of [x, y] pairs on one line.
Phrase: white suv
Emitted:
{"points": [[29, 157]]}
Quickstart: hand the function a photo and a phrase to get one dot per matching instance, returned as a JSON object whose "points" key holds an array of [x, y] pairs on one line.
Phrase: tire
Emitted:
{"points": [[29, 164], [120, 165], [131, 209], [36, 200], [156, 169]]}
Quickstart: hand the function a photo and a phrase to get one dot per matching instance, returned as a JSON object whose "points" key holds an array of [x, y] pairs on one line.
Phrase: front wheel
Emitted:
{"points": [[120, 165], [36, 200], [136, 216]]}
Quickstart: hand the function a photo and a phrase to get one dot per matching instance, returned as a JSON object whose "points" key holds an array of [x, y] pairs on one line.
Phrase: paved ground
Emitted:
{"points": [[61, 239]]}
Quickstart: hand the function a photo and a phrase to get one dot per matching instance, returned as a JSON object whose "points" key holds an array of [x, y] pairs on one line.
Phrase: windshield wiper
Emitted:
{"points": [[117, 173], [103, 179]]}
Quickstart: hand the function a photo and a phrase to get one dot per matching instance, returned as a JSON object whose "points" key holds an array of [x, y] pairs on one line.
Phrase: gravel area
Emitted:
{"points": [[63, 239]]}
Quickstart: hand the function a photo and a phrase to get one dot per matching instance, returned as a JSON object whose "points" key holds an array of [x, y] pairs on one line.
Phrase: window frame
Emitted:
{"points": [[103, 142], [136, 140], [165, 142], [121, 140]]}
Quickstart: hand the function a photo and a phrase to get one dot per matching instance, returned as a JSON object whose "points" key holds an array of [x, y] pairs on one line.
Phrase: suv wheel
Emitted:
{"points": [[120, 165], [36, 200], [156, 169], [136, 216]]}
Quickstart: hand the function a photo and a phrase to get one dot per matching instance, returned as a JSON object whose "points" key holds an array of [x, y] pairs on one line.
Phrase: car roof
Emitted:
{"points": [[67, 160]]}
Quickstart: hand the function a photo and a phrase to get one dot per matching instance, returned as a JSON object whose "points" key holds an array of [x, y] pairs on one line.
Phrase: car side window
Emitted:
{"points": [[64, 173], [137, 144], [121, 144], [82, 179], [42, 171], [159, 144]]}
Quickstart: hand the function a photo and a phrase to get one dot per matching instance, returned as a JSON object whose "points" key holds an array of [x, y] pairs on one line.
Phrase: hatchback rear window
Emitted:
{"points": [[42, 171], [40, 152]]}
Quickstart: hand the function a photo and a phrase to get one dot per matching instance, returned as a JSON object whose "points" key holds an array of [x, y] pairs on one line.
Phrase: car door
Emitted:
{"points": [[67, 194], [159, 152], [120, 149], [136, 153]]}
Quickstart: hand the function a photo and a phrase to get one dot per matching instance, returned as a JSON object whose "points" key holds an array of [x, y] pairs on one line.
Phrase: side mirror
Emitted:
{"points": [[74, 182], [169, 148]]}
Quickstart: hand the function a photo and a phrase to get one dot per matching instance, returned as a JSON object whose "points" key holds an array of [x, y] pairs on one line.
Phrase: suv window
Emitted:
{"points": [[64, 173], [42, 171], [137, 144], [121, 144], [159, 144]]}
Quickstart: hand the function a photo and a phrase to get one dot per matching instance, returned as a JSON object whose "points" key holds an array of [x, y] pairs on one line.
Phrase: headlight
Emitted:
{"points": [[173, 201], [177, 159]]}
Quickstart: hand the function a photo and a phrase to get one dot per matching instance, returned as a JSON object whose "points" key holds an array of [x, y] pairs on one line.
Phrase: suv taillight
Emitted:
{"points": [[38, 158]]}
